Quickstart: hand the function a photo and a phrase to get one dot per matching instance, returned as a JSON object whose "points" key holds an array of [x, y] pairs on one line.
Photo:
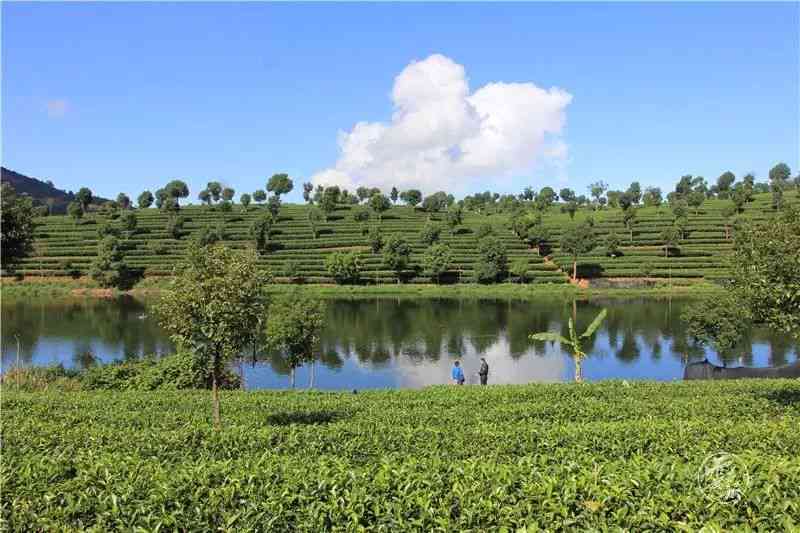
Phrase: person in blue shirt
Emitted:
{"points": [[457, 374]]}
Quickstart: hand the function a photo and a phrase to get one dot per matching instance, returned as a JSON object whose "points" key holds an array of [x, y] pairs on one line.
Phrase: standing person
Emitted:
{"points": [[457, 374], [484, 371]]}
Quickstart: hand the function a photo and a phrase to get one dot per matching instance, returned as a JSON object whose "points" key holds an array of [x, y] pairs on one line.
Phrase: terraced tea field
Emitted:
{"points": [[65, 246]]}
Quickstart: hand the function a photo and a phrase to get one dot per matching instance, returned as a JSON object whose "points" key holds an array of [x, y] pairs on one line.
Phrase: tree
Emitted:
{"points": [[314, 220], [244, 199], [652, 197], [108, 268], [215, 189], [328, 200], [307, 189], [613, 198], [629, 219], [363, 193], [343, 267], [361, 215], [612, 244], [379, 203], [274, 205], [546, 197], [724, 183], [570, 208], [728, 212], [259, 196], [84, 197], [430, 233], [437, 260], [293, 327], [780, 173], [394, 194], [670, 236], [292, 271], [567, 195], [208, 235], [453, 217], [519, 268], [484, 230], [145, 200], [696, 199], [717, 322], [161, 198], [537, 236], [397, 254], [577, 241], [682, 225], [740, 197], [411, 197], [204, 196], [259, 231], [177, 189], [376, 239], [680, 209], [129, 222], [634, 192], [436, 202], [228, 194], [280, 184], [575, 342], [123, 201], [492, 260], [16, 229], [597, 189], [175, 226], [75, 211], [213, 306]]}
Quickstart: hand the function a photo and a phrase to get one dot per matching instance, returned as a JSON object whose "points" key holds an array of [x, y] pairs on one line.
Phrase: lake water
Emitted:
{"points": [[384, 342]]}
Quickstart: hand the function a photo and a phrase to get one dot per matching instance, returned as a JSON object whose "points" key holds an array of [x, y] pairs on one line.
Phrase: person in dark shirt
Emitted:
{"points": [[484, 371]]}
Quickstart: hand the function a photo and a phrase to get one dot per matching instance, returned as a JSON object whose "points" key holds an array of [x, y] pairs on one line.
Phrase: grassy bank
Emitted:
{"points": [[12, 290], [557, 457]]}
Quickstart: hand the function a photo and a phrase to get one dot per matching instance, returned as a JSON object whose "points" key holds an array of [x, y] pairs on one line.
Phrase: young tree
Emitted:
{"points": [[145, 200], [577, 241], [728, 212], [259, 196], [363, 193], [308, 188], [244, 199], [671, 237], [430, 233], [613, 198], [537, 236], [519, 268], [629, 219], [411, 197], [361, 215], [84, 198], [597, 189], [379, 203], [328, 200], [652, 197], [274, 206], [571, 207], [568, 195], [204, 196], [394, 194], [612, 244], [175, 226], [724, 183], [315, 218], [376, 239], [213, 306], [207, 236], [259, 231], [484, 230], [129, 222], [575, 342], [437, 260], [634, 192], [215, 189], [492, 260], [280, 184], [717, 322], [453, 217], [228, 193], [695, 200], [177, 189], [123, 201], [293, 327], [75, 211], [397, 254], [108, 268], [17, 227], [343, 267]]}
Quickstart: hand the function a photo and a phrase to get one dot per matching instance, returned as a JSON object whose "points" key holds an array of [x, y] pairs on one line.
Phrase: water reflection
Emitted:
{"points": [[404, 342]]}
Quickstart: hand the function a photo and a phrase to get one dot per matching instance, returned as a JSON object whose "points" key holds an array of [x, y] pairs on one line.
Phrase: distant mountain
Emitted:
{"points": [[42, 192]]}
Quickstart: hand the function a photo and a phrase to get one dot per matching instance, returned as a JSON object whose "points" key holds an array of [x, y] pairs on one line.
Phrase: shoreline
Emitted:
{"points": [[152, 287]]}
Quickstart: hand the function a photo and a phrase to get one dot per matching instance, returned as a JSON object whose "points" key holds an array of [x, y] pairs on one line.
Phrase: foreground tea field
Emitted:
{"points": [[554, 457], [64, 246]]}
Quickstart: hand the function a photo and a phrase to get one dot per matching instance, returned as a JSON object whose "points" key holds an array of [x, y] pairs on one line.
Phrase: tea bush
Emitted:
{"points": [[562, 457]]}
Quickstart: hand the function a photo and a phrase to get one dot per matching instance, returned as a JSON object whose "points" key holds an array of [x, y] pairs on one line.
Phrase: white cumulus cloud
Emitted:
{"points": [[442, 136]]}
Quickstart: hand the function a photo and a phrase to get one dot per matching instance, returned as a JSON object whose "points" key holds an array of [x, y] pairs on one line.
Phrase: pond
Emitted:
{"points": [[382, 343]]}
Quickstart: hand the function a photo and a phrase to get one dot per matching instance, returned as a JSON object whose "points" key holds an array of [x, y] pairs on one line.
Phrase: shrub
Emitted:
{"points": [[343, 267]]}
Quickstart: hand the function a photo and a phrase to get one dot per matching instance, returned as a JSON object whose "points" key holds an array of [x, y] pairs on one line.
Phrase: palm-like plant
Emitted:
{"points": [[574, 342]]}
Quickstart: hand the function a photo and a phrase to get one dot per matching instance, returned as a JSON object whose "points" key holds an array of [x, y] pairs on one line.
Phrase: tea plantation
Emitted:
{"points": [[605, 456], [64, 246]]}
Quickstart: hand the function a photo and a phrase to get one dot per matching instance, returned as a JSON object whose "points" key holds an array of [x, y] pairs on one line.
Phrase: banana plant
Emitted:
{"points": [[575, 342]]}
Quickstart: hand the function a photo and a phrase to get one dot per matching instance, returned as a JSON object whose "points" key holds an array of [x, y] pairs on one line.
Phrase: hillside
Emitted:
{"points": [[589, 457], [42, 192], [62, 243]]}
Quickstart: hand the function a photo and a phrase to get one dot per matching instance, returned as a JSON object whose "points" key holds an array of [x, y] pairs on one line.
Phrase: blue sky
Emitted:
{"points": [[123, 97]]}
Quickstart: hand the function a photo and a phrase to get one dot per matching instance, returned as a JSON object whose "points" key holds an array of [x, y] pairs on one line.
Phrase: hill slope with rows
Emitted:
{"points": [[64, 245]]}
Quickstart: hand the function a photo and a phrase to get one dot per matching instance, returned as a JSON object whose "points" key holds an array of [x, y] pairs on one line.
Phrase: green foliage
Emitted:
{"points": [[343, 267], [612, 244], [292, 271], [454, 217], [484, 230], [129, 221], [315, 218], [84, 197], [16, 229], [208, 235], [280, 184], [437, 260], [519, 268], [411, 197], [362, 216], [145, 200], [259, 196], [293, 327], [575, 341], [376, 239], [379, 203], [396, 253], [492, 260], [228, 193], [718, 322], [175, 226], [259, 231], [576, 241], [430, 233], [108, 268], [245, 200], [213, 306], [75, 211]]}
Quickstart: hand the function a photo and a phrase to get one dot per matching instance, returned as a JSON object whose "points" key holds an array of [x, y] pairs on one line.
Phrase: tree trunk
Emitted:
{"points": [[291, 377], [578, 373], [574, 270], [311, 375], [215, 396]]}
